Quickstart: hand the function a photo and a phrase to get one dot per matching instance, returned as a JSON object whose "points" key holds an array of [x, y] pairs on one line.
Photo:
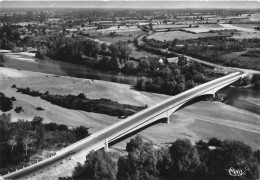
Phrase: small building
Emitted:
{"points": [[161, 61], [173, 60]]}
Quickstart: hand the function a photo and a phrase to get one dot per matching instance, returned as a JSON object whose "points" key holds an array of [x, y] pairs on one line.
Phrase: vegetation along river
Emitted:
{"points": [[243, 98]]}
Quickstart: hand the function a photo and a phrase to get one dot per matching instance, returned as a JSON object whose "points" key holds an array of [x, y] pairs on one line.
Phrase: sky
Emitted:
{"points": [[170, 4]]}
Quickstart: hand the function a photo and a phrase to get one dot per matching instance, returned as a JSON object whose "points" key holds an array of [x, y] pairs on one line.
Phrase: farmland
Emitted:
{"points": [[119, 36], [169, 36]]}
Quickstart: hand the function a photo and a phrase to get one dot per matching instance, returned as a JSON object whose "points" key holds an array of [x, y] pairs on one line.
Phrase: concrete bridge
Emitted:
{"points": [[68, 157]]}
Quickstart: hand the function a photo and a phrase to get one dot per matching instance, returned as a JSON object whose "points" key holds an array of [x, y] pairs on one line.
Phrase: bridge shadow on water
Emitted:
{"points": [[162, 120]]}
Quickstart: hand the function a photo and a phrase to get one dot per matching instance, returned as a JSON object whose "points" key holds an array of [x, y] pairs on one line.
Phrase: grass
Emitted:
{"points": [[159, 26], [138, 54], [246, 25], [169, 36]]}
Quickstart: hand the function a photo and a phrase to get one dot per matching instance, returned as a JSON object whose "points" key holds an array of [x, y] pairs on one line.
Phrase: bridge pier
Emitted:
{"points": [[106, 145], [168, 120]]}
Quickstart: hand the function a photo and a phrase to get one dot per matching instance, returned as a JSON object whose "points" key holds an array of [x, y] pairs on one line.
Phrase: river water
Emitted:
{"points": [[243, 98], [24, 62]]}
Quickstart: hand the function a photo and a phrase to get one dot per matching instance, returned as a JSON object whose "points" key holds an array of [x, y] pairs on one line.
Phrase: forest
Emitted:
{"points": [[21, 141]]}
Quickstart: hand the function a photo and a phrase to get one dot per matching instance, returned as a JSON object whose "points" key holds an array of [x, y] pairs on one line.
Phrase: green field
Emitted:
{"points": [[121, 36], [138, 54], [169, 36], [246, 35], [245, 59]]}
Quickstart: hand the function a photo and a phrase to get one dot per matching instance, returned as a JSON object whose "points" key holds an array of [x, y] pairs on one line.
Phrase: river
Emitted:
{"points": [[243, 98], [24, 62]]}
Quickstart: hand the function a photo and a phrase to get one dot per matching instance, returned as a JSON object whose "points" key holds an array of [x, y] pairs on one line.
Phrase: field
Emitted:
{"points": [[246, 35], [169, 36], [250, 26], [241, 60], [245, 61], [121, 36], [65, 85], [162, 26], [138, 54]]}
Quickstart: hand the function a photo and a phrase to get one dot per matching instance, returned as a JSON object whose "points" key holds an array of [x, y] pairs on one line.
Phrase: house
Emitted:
{"points": [[161, 61], [173, 60]]}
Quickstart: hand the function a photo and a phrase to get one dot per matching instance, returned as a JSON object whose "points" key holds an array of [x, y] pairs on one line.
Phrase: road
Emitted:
{"points": [[91, 142]]}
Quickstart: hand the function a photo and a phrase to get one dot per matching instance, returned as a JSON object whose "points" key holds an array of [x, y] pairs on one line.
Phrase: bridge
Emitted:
{"points": [[101, 139]]}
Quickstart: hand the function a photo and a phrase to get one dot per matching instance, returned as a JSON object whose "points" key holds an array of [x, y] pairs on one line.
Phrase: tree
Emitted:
{"points": [[234, 154], [131, 67], [141, 83], [91, 48], [256, 81], [134, 144], [114, 64], [114, 50], [141, 162], [185, 158], [98, 165], [182, 60], [5, 103], [13, 142], [190, 84], [5, 127], [80, 132], [104, 63], [27, 142], [124, 51], [144, 65], [104, 47], [166, 73], [41, 52]]}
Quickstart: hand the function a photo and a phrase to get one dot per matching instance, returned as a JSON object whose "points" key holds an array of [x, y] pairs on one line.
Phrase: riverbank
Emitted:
{"points": [[201, 120]]}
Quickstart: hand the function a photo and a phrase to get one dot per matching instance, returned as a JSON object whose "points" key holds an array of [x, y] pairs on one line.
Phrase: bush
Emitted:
{"points": [[39, 108], [5, 103], [256, 81], [80, 102], [18, 109]]}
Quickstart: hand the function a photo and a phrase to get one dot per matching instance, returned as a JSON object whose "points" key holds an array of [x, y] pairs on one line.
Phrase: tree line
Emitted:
{"points": [[21, 140], [171, 78], [80, 102], [182, 160]]}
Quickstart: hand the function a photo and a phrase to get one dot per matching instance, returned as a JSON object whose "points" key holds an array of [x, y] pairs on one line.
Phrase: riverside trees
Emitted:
{"points": [[182, 160]]}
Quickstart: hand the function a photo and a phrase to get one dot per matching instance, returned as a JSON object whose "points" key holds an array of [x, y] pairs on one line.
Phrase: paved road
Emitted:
{"points": [[96, 138]]}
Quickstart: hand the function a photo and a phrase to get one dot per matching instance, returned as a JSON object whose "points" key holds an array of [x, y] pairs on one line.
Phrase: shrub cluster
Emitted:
{"points": [[80, 102]]}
